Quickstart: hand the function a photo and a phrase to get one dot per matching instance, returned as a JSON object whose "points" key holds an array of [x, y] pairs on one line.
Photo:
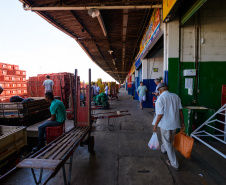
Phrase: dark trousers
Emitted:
{"points": [[42, 129]]}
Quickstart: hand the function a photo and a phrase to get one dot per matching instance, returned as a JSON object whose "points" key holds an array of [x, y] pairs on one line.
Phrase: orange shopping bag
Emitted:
{"points": [[183, 144]]}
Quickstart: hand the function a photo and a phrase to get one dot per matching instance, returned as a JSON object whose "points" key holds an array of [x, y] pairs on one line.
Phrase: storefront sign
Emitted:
{"points": [[150, 34], [129, 74], [167, 6], [132, 70]]}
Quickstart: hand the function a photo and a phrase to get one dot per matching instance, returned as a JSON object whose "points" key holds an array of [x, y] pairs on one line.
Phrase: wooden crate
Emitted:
{"points": [[21, 110], [12, 139]]}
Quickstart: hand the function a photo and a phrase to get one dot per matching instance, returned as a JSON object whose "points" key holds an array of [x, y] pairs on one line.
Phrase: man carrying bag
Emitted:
{"points": [[168, 114]]}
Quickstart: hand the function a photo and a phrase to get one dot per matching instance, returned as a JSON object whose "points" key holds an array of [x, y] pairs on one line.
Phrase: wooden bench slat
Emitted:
{"points": [[60, 145], [39, 163], [60, 155], [54, 146], [71, 141]]}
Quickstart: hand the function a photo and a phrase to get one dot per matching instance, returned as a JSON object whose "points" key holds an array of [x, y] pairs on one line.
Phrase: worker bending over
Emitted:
{"points": [[58, 117]]}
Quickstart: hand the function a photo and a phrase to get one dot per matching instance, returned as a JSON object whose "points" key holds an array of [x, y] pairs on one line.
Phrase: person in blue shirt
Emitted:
{"points": [[58, 117], [141, 91]]}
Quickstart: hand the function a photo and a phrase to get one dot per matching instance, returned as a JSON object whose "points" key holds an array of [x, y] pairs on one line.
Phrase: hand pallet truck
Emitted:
{"points": [[108, 116]]}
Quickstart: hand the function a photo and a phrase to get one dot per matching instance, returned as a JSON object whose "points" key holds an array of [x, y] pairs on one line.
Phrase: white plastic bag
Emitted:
{"points": [[154, 143]]}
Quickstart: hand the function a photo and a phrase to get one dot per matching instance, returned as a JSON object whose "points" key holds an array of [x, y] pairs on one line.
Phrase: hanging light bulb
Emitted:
{"points": [[93, 12]]}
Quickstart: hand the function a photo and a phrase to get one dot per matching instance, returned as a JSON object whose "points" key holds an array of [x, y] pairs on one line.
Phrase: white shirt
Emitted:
{"points": [[98, 89], [48, 85], [106, 90], [169, 105]]}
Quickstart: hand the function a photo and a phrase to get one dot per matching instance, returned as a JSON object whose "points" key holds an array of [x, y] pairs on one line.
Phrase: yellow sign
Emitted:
{"points": [[133, 68], [167, 6]]}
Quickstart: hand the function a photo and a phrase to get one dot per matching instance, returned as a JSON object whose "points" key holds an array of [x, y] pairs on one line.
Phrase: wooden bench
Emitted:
{"points": [[54, 156]]}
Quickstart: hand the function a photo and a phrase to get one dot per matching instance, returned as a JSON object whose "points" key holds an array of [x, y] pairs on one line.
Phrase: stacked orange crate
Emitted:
{"points": [[61, 83], [32, 86], [12, 80]]}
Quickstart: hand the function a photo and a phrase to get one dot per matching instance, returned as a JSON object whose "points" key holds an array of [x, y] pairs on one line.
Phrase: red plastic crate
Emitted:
{"points": [[19, 91], [22, 72], [5, 78], [19, 85], [7, 92], [23, 79], [14, 92], [2, 84], [33, 78], [4, 99], [14, 78], [13, 85], [17, 72], [10, 72], [24, 91], [3, 72], [24, 84], [7, 85], [54, 132], [10, 85], [3, 66], [9, 67], [15, 67]]}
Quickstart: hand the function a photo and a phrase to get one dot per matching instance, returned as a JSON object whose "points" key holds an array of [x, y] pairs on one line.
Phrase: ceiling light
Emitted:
{"points": [[110, 51], [93, 12]]}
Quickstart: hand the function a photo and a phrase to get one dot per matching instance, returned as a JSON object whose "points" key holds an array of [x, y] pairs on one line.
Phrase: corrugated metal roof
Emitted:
{"points": [[88, 33]]}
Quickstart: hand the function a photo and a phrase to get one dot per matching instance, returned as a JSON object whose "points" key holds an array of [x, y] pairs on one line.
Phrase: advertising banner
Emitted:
{"points": [[150, 34], [133, 68], [167, 6]]}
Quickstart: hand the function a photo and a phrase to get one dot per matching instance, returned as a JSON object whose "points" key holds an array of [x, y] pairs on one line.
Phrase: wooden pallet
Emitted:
{"points": [[26, 109], [12, 139], [54, 155]]}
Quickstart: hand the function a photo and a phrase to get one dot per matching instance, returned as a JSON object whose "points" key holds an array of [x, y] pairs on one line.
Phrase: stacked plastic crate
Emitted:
{"points": [[63, 85], [13, 81]]}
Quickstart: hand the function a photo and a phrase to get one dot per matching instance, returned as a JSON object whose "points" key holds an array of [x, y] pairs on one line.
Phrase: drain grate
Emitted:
{"points": [[143, 171]]}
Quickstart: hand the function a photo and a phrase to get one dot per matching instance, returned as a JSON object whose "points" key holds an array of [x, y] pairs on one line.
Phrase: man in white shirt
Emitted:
{"points": [[97, 89], [48, 84], [168, 114], [157, 82]]}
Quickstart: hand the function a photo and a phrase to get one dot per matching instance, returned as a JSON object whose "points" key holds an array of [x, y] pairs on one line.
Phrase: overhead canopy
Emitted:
{"points": [[111, 39]]}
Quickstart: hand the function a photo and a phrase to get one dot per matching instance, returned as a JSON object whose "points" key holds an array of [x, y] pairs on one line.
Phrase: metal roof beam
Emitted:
{"points": [[60, 8], [124, 30], [101, 22]]}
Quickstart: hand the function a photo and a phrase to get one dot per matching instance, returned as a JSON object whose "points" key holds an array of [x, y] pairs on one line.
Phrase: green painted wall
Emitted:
{"points": [[212, 75]]}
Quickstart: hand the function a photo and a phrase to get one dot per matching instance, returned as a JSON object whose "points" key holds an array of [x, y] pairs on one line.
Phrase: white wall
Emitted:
{"points": [[213, 32], [171, 41], [155, 62], [188, 42]]}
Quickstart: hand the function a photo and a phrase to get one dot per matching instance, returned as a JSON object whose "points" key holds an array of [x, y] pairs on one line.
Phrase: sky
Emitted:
{"points": [[36, 46]]}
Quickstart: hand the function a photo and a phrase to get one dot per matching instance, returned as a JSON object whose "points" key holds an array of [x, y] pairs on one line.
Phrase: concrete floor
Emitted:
{"points": [[122, 156]]}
